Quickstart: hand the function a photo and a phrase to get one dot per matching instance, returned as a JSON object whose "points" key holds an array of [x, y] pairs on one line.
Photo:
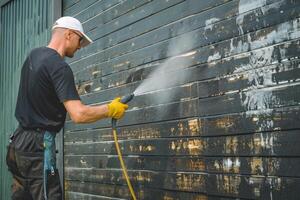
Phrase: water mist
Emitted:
{"points": [[171, 73]]}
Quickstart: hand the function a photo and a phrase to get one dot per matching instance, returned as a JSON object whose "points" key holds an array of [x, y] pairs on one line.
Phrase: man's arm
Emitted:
{"points": [[81, 113]]}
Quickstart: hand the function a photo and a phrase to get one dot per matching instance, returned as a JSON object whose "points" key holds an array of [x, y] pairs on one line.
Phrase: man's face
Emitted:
{"points": [[74, 43]]}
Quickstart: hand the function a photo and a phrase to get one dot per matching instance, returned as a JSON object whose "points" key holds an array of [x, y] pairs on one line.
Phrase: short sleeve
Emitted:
{"points": [[64, 85]]}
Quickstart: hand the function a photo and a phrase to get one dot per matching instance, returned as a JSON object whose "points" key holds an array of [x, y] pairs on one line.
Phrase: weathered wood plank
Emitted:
{"points": [[78, 7], [282, 143], [233, 48], [109, 190], [277, 119], [266, 76], [159, 16], [243, 76], [219, 16], [204, 54], [191, 22], [69, 3], [119, 16], [141, 192], [192, 182], [254, 78], [257, 78], [95, 10], [253, 100], [156, 35], [85, 196], [267, 166], [273, 19], [268, 188], [229, 131], [155, 11], [251, 187], [177, 110], [229, 124]]}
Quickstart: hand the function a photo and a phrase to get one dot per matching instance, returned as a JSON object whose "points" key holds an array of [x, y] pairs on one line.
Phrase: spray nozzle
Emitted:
{"points": [[127, 98], [124, 99]]}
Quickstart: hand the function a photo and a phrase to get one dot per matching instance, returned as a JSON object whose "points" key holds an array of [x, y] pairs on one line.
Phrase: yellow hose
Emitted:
{"points": [[123, 165]]}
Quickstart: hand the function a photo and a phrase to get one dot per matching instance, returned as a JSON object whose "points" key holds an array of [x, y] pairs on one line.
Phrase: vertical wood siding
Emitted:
{"points": [[24, 25], [230, 131]]}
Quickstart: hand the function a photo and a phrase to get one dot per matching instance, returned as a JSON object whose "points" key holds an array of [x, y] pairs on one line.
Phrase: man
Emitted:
{"points": [[47, 91]]}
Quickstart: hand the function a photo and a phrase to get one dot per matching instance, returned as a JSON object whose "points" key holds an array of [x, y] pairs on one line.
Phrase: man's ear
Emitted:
{"points": [[67, 34]]}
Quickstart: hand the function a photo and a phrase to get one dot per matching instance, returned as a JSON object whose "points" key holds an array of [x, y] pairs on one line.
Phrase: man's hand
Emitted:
{"points": [[116, 109]]}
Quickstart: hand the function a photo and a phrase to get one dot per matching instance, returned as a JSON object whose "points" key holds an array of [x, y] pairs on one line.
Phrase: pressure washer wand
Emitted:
{"points": [[124, 99]]}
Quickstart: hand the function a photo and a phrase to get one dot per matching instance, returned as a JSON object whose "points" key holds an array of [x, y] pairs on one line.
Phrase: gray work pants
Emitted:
{"points": [[24, 159]]}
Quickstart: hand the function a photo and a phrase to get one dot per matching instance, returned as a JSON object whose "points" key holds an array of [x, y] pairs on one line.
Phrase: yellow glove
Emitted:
{"points": [[116, 109]]}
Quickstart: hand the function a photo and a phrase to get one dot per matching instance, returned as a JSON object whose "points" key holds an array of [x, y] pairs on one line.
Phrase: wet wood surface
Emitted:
{"points": [[230, 130]]}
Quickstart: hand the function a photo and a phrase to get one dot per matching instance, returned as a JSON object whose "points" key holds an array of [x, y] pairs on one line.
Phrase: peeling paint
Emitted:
{"points": [[146, 148], [185, 54], [256, 165], [235, 77], [196, 165], [268, 141], [256, 183], [273, 166], [288, 30], [192, 146], [141, 133], [265, 9], [231, 165], [193, 127], [142, 177], [181, 128], [231, 145], [84, 88], [96, 73], [209, 23], [215, 56], [228, 184], [168, 198], [97, 89], [121, 64], [239, 23], [246, 5], [264, 142], [225, 122], [189, 181], [252, 97]]}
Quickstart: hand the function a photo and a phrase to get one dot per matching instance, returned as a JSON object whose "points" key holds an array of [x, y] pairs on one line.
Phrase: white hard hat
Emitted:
{"points": [[74, 24]]}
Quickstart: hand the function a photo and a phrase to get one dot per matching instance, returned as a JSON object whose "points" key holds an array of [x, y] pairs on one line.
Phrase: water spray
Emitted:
{"points": [[124, 99], [146, 86], [159, 79]]}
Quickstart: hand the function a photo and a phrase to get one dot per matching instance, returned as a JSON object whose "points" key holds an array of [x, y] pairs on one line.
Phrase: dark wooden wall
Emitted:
{"points": [[232, 128]]}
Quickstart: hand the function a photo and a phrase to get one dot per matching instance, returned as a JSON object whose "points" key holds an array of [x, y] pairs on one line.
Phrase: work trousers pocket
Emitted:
{"points": [[54, 191], [11, 160], [30, 164]]}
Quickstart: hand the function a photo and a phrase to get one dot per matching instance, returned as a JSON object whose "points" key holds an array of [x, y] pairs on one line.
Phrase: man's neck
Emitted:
{"points": [[57, 47]]}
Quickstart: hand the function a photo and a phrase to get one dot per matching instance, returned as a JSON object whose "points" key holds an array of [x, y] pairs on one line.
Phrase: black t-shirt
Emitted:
{"points": [[46, 82]]}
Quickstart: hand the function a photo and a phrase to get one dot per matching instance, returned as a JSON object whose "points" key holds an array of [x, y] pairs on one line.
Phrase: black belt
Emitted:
{"points": [[38, 129]]}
